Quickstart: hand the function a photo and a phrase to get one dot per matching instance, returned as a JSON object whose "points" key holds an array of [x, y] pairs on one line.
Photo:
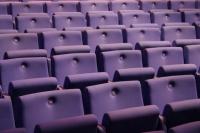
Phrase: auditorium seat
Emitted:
{"points": [[159, 56], [25, 53], [28, 7], [50, 105], [191, 16], [69, 19], [17, 41], [178, 4], [135, 35], [4, 8], [88, 6], [112, 96], [50, 39], [6, 114], [111, 61], [33, 20], [181, 113], [133, 17], [6, 22], [102, 36], [171, 33], [22, 68], [76, 63], [98, 18], [136, 119], [29, 86], [124, 5], [169, 89], [166, 17], [148, 5], [78, 124], [61, 6]]}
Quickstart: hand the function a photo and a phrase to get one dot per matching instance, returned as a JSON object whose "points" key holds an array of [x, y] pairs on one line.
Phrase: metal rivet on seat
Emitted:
{"points": [[142, 31], [166, 15], [27, 6], [178, 30], [16, 39], [69, 19], [61, 5], [164, 53], [124, 4], [103, 17], [135, 16], [104, 34], [122, 56], [33, 20], [24, 65], [93, 4], [182, 3], [115, 91], [75, 60], [62, 37], [171, 84], [51, 100]]}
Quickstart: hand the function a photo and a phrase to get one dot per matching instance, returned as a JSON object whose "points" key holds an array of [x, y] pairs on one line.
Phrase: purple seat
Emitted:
{"points": [[4, 8], [61, 6], [25, 53], [69, 19], [111, 61], [192, 127], [102, 36], [191, 16], [177, 69], [28, 7], [17, 41], [142, 45], [191, 53], [179, 4], [71, 64], [22, 68], [15, 130], [6, 22], [82, 29], [135, 35], [128, 74], [114, 96], [181, 112], [136, 119], [171, 33], [165, 17], [160, 91], [51, 105], [186, 42], [123, 5], [133, 17], [98, 18], [148, 5], [29, 86], [32, 21], [59, 50], [78, 124], [88, 6], [6, 114], [156, 57], [147, 25], [50, 39]]}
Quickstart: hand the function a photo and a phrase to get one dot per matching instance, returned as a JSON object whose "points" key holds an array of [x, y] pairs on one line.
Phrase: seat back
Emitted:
{"points": [[123, 5], [114, 96], [6, 22], [22, 68], [180, 4], [148, 5]]}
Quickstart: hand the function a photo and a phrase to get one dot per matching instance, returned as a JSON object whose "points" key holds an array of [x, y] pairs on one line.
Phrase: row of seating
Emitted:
{"points": [[173, 95], [62, 20], [93, 37], [85, 6]]}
